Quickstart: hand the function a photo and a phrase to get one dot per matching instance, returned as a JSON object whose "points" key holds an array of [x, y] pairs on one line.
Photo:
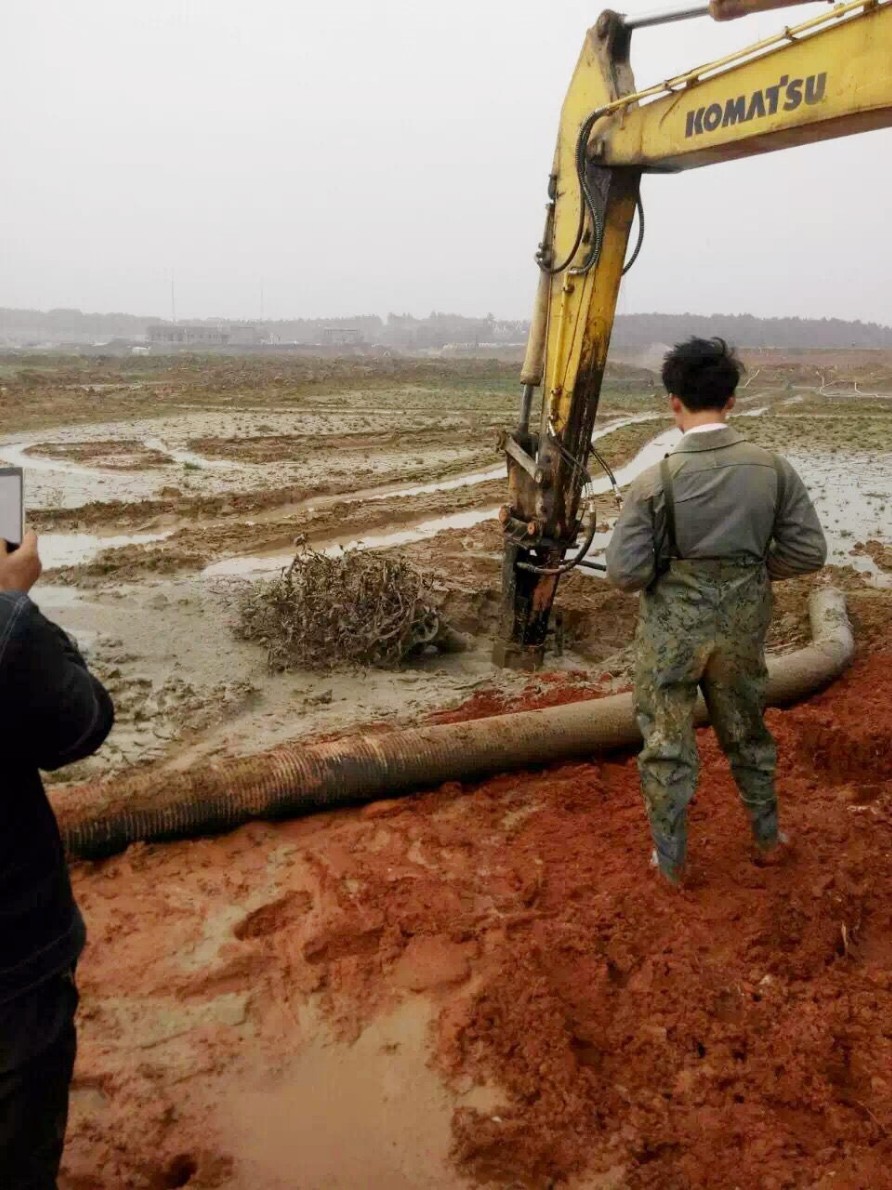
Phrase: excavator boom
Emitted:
{"points": [[826, 77], [832, 78]]}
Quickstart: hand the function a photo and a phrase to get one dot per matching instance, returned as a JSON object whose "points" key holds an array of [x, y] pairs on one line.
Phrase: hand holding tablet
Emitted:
{"points": [[20, 564], [12, 506]]}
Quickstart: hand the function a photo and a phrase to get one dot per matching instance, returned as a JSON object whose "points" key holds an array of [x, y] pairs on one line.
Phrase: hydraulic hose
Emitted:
{"points": [[106, 817]]}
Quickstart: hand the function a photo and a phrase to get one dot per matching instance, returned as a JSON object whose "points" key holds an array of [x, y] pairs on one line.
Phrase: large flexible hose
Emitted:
{"points": [[106, 817]]}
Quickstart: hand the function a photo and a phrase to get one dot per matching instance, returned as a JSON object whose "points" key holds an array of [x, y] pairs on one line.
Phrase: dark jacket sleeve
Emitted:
{"points": [[799, 545], [60, 713]]}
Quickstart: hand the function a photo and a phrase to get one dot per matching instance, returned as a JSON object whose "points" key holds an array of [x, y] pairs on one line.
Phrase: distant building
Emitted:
{"points": [[202, 334], [341, 336], [243, 334]]}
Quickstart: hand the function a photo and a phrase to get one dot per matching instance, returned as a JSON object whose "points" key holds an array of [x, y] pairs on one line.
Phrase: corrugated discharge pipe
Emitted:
{"points": [[299, 779]]}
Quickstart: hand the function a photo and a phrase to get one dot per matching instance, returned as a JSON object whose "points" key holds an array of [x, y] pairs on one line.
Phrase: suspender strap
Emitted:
{"points": [[779, 499], [669, 501]]}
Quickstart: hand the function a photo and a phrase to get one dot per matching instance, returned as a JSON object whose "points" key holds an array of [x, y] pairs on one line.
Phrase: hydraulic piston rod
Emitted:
{"points": [[719, 10], [666, 16]]}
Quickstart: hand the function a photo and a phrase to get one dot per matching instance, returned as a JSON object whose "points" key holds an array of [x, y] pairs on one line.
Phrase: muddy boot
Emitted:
{"points": [[763, 824], [671, 873], [768, 852]]}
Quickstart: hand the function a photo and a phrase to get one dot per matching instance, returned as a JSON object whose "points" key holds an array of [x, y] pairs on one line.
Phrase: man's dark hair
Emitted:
{"points": [[702, 373]]}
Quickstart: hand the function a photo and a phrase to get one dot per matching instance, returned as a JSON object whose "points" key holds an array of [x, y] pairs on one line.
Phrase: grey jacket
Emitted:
{"points": [[726, 506]]}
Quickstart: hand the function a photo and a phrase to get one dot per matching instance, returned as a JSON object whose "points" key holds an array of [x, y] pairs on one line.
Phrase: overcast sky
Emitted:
{"points": [[353, 156]]}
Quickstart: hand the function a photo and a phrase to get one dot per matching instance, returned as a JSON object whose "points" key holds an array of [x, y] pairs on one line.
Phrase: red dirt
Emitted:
{"points": [[547, 690], [734, 1034]]}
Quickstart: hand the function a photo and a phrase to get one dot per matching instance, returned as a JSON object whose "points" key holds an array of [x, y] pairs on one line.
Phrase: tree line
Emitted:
{"points": [[405, 332]]}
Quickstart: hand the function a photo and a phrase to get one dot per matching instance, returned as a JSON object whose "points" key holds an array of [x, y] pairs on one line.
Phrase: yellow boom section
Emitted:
{"points": [[829, 77]]}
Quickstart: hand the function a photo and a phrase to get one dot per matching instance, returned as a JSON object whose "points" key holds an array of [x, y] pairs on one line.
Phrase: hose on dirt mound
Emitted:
{"points": [[104, 818]]}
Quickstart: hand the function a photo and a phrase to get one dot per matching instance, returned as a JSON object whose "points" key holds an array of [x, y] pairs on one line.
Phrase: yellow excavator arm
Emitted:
{"points": [[825, 77]]}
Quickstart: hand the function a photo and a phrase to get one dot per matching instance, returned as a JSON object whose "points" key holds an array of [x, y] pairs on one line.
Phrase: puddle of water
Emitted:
{"points": [[372, 1114], [56, 599], [63, 483], [869, 568], [67, 484], [15, 454], [456, 520], [181, 455], [256, 565], [853, 496], [619, 422], [442, 485], [71, 549]]}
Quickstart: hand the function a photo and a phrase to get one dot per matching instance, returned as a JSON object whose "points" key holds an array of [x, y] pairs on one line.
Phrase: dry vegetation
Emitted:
{"points": [[354, 609], [864, 431], [39, 391]]}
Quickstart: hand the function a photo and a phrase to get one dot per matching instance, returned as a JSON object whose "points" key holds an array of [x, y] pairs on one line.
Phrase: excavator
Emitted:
{"points": [[828, 76]]}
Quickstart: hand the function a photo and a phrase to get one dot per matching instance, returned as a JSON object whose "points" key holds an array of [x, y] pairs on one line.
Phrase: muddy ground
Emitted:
{"points": [[479, 985]]}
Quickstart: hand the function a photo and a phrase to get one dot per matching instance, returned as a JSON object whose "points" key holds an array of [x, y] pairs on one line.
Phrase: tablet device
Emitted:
{"points": [[12, 506]]}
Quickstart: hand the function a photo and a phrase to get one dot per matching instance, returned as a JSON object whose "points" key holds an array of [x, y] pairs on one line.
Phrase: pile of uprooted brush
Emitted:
{"points": [[357, 608]]}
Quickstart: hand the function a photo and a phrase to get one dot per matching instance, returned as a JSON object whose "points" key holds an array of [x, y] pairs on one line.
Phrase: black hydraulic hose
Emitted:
{"points": [[586, 204], [572, 562], [591, 205], [605, 467], [586, 565], [639, 207]]}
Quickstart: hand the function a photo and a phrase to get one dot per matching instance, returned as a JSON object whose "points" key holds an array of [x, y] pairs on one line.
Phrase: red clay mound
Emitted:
{"points": [[546, 690], [734, 1034]]}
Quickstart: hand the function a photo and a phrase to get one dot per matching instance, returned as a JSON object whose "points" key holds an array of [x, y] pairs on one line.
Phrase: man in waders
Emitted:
{"points": [[702, 535]]}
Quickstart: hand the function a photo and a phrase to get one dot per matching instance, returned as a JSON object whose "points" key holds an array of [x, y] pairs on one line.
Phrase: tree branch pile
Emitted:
{"points": [[358, 608]]}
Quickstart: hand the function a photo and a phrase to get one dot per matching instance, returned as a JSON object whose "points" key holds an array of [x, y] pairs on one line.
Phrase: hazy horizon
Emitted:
{"points": [[389, 158], [461, 314]]}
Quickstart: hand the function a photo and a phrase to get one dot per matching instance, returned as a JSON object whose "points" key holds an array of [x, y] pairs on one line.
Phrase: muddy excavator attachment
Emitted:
{"points": [[826, 77]]}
